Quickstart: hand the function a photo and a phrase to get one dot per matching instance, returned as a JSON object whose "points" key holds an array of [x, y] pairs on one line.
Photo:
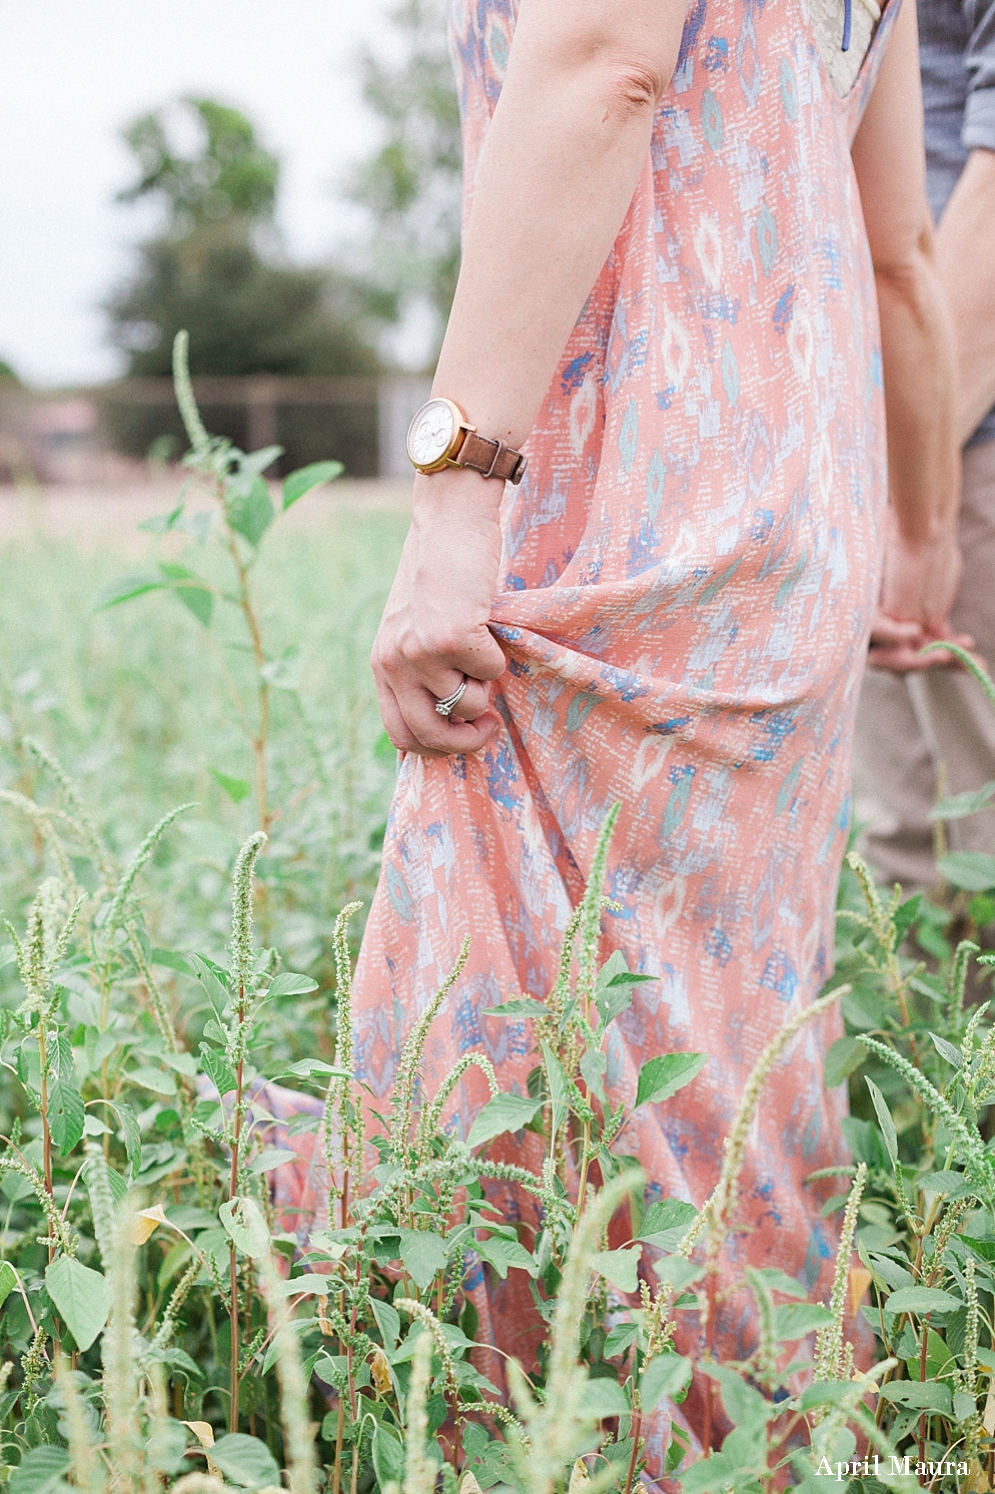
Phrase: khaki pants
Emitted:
{"points": [[918, 731]]}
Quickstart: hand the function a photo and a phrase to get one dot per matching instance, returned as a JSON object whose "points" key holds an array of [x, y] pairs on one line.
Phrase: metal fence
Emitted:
{"points": [[89, 434]]}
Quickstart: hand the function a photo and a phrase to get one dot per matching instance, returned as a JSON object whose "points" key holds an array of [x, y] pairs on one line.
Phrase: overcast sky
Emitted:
{"points": [[74, 72]]}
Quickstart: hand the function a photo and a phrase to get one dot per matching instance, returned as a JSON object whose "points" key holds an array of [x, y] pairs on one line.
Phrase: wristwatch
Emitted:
{"points": [[439, 436]]}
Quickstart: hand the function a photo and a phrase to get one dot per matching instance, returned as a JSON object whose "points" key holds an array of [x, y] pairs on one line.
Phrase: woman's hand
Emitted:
{"points": [[917, 594], [434, 627]]}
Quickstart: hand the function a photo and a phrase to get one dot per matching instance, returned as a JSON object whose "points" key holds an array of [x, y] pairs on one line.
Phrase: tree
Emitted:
{"points": [[215, 270], [412, 185]]}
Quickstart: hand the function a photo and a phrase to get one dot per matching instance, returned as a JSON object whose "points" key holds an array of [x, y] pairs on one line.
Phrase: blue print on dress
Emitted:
{"points": [[780, 975]]}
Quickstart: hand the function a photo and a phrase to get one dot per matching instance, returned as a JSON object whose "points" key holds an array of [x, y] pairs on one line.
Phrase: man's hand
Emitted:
{"points": [[917, 593], [434, 627]]}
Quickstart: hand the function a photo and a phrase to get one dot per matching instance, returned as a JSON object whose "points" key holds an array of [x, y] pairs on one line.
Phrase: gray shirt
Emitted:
{"points": [[957, 42]]}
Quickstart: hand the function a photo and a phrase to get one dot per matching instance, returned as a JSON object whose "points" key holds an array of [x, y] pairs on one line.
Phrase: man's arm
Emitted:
{"points": [[965, 254], [922, 563]]}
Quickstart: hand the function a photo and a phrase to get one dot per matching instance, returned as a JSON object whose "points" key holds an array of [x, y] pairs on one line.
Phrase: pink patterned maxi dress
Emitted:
{"points": [[686, 589]]}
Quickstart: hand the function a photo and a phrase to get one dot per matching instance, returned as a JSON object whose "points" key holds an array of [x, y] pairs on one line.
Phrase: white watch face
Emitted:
{"points": [[431, 432]]}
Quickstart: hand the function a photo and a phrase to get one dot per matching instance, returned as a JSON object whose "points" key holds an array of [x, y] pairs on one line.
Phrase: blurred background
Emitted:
{"points": [[281, 180]]}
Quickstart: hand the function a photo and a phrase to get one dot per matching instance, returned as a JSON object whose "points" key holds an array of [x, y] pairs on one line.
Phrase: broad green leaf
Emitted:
{"points": [[211, 980], [845, 1055], [519, 1006], [620, 1267], [217, 1070], [964, 1406], [157, 1080], [829, 1393], [666, 1374], [131, 1135], [776, 1280], [921, 1300], [742, 1403], [162, 523], [503, 1113], [664, 1076], [923, 1395], [309, 1284], [166, 1446], [794, 1320], [189, 589], [183, 1063], [388, 1456], [592, 1066], [905, 916], [254, 463], [237, 789], [601, 1398], [947, 1050], [884, 1119], [972, 870], [620, 1340], [957, 806], [678, 1271], [81, 1296], [244, 1224], [289, 984], [135, 584], [65, 1115], [424, 1255], [39, 1470], [502, 1254], [8, 1280], [944, 1184], [250, 514], [666, 1221], [710, 1475], [305, 478], [388, 1321], [271, 1157], [246, 1461]]}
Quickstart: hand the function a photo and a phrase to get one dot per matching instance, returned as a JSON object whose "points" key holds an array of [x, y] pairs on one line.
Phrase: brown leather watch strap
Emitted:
{"points": [[492, 458]]}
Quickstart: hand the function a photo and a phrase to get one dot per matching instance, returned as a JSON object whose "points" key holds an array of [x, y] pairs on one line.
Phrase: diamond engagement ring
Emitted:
{"points": [[447, 706]]}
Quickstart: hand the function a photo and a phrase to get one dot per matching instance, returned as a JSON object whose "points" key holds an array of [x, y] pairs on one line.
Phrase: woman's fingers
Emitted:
{"points": [[896, 644], [443, 734]]}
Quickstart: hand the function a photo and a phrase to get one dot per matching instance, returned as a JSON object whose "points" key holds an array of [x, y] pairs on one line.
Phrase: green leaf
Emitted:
{"points": [[921, 1300], [8, 1280], [250, 514], [189, 589], [666, 1221], [845, 1055], [254, 463], [245, 1461], [666, 1374], [593, 1065], [81, 1296], [947, 1050], [157, 1080], [288, 984], [134, 584], [709, 1475], [167, 1445], [944, 1184], [244, 1224], [601, 1398], [957, 806], [794, 1320], [388, 1456], [742, 1403], [272, 1157], [65, 1115], [237, 789], [503, 1113], [40, 1470], [132, 1136], [923, 1395], [620, 1340], [217, 1070], [388, 1321], [884, 1119], [972, 870], [620, 1267], [776, 1280], [502, 1254], [520, 1006], [964, 1406], [305, 478], [424, 1255], [828, 1393], [664, 1076]]}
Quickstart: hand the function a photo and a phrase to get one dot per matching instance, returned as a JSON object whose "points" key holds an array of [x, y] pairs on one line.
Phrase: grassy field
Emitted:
{"points": [[134, 701]]}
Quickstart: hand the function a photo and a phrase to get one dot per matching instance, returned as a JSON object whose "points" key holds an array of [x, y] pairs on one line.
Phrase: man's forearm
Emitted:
{"points": [[919, 380], [965, 255]]}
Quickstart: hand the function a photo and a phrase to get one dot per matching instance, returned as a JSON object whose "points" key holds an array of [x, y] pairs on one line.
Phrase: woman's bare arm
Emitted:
{"points": [[564, 153], [922, 563]]}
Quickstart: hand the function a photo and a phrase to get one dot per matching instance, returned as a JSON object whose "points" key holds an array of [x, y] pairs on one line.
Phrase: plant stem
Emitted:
{"points": [[637, 1426], [232, 1256], [46, 1133], [260, 738]]}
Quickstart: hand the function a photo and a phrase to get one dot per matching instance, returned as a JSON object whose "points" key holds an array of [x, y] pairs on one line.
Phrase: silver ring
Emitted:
{"points": [[447, 706]]}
